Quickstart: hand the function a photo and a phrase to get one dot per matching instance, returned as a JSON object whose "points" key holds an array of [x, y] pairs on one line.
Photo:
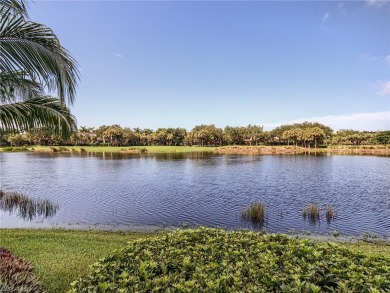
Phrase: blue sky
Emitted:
{"points": [[157, 64]]}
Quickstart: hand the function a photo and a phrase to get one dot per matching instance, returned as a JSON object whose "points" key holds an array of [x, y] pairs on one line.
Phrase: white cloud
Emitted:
{"points": [[341, 9], [357, 121], [387, 59], [118, 55], [368, 57], [325, 19], [383, 87], [376, 3]]}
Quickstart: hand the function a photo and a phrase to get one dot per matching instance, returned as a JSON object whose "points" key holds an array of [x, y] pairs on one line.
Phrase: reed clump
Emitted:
{"points": [[255, 213], [312, 212], [26, 208], [330, 214]]}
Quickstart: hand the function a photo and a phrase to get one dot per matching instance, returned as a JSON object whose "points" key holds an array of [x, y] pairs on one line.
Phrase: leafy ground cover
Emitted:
{"points": [[62, 256], [16, 274], [212, 260]]}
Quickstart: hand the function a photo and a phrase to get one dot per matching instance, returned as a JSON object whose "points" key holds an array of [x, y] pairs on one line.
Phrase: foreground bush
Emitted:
{"points": [[211, 260], [16, 274]]}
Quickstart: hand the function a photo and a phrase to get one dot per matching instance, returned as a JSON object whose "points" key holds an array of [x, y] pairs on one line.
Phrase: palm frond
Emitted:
{"points": [[42, 112], [17, 86], [15, 6], [35, 49]]}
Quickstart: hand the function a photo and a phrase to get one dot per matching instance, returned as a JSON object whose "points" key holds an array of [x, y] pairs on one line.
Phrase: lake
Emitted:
{"points": [[111, 190]]}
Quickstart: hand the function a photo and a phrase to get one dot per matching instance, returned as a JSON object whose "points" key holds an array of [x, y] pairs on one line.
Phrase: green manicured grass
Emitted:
{"points": [[61, 256], [150, 149]]}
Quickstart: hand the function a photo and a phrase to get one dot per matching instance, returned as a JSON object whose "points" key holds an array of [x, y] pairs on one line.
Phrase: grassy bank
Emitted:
{"points": [[61, 256], [260, 150], [127, 149], [292, 150]]}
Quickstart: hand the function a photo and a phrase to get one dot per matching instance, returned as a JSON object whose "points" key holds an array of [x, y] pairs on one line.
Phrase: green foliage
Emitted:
{"points": [[278, 131], [33, 64], [383, 137], [16, 275], [251, 134], [354, 137], [205, 135], [143, 150], [304, 135], [212, 260]]}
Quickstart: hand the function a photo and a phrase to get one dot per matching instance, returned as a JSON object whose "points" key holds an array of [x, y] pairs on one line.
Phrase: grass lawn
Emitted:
{"points": [[61, 256], [150, 149]]}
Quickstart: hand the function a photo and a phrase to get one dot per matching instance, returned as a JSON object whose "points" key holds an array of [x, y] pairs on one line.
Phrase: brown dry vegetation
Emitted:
{"points": [[292, 150]]}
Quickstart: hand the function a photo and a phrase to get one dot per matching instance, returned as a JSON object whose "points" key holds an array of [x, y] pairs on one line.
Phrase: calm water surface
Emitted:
{"points": [[201, 189]]}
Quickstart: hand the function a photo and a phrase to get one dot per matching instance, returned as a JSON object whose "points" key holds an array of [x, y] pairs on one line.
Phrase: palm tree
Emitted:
{"points": [[33, 65]]}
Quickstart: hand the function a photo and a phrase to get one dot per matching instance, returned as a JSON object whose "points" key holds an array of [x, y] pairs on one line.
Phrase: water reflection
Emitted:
{"points": [[25, 207], [124, 155]]}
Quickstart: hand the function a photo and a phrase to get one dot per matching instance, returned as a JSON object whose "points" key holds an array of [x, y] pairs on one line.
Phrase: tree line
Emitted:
{"points": [[306, 134]]}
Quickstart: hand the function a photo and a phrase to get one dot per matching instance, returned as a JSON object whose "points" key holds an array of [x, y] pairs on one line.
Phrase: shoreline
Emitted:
{"points": [[334, 236], [292, 150], [229, 150]]}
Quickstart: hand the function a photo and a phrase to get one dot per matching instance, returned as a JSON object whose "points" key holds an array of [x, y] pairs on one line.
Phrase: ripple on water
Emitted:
{"points": [[204, 189]]}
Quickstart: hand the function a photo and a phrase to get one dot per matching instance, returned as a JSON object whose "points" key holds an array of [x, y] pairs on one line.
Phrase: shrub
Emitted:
{"points": [[63, 149], [15, 149], [16, 275], [212, 260]]}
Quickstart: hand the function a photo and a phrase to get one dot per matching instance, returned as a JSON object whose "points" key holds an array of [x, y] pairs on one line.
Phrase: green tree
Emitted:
{"points": [[383, 137], [317, 134], [277, 133], [207, 135], [16, 139], [114, 134], [253, 134], [287, 135], [33, 64], [234, 135]]}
